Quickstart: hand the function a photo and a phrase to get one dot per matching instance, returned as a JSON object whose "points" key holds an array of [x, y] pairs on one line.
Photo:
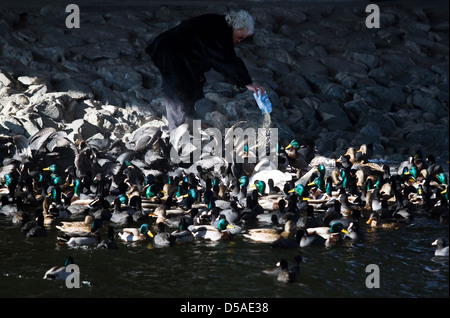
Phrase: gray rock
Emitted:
{"points": [[75, 89], [120, 78], [336, 65], [21, 55], [356, 110], [6, 80], [430, 105], [336, 91], [333, 117], [10, 125], [80, 129]]}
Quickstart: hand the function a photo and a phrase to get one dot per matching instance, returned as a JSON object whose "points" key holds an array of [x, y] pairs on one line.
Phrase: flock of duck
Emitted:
{"points": [[132, 192]]}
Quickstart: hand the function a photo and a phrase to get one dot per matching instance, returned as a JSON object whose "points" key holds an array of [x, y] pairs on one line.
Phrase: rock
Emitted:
{"points": [[74, 89], [80, 129], [5, 79], [336, 91], [333, 117], [10, 125], [356, 110], [336, 65], [217, 120], [21, 55], [430, 105], [121, 78]]}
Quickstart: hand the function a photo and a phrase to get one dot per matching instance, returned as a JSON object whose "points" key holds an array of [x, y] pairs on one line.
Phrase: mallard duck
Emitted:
{"points": [[277, 269], [268, 217], [306, 239], [78, 197], [83, 238], [285, 275], [331, 234], [299, 157], [441, 247], [109, 243], [38, 230], [59, 272], [171, 217], [136, 234], [354, 232], [121, 216], [261, 179], [309, 220], [375, 221], [77, 226], [9, 208], [163, 238], [233, 214], [213, 233], [270, 235], [364, 153], [182, 234]]}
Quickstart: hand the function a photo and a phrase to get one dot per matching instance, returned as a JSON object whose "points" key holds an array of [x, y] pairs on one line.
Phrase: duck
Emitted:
{"points": [[121, 215], [163, 238], [309, 220], [182, 234], [441, 247], [305, 239], [233, 214], [268, 217], [9, 208], [331, 234], [270, 235], [375, 221], [76, 226], [80, 239], [299, 157], [171, 217], [211, 232], [354, 232], [285, 275], [275, 271], [60, 272], [136, 234], [38, 230], [365, 153], [109, 243]]}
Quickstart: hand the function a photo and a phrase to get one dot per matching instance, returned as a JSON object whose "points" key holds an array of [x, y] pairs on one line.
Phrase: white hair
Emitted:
{"points": [[241, 20]]}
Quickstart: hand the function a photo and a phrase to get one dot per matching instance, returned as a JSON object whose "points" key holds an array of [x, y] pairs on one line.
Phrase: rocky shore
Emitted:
{"points": [[332, 81]]}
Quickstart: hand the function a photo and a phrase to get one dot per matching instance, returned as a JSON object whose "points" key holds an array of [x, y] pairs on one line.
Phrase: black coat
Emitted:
{"points": [[183, 54]]}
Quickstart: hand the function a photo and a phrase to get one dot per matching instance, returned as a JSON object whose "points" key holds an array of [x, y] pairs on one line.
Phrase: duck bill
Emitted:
{"points": [[149, 233], [369, 221], [311, 184], [292, 190], [288, 146], [345, 231], [229, 226]]}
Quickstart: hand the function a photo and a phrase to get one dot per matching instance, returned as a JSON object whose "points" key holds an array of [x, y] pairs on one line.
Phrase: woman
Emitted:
{"points": [[183, 54]]}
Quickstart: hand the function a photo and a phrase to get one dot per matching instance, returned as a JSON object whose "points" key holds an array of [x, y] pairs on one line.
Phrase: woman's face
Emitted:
{"points": [[239, 35]]}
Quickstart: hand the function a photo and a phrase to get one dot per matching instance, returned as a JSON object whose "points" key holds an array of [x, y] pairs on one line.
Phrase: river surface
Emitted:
{"points": [[231, 268]]}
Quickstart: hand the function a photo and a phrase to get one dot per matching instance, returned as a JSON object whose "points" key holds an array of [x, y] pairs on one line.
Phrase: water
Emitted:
{"points": [[203, 269]]}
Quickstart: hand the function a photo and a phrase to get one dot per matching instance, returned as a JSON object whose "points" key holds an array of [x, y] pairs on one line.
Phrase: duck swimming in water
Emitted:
{"points": [[60, 272], [441, 247], [213, 233]]}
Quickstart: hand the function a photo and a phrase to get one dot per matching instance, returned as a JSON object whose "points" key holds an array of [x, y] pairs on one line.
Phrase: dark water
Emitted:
{"points": [[231, 268]]}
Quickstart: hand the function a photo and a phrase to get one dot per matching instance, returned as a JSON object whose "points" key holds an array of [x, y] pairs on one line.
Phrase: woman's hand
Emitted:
{"points": [[256, 88]]}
